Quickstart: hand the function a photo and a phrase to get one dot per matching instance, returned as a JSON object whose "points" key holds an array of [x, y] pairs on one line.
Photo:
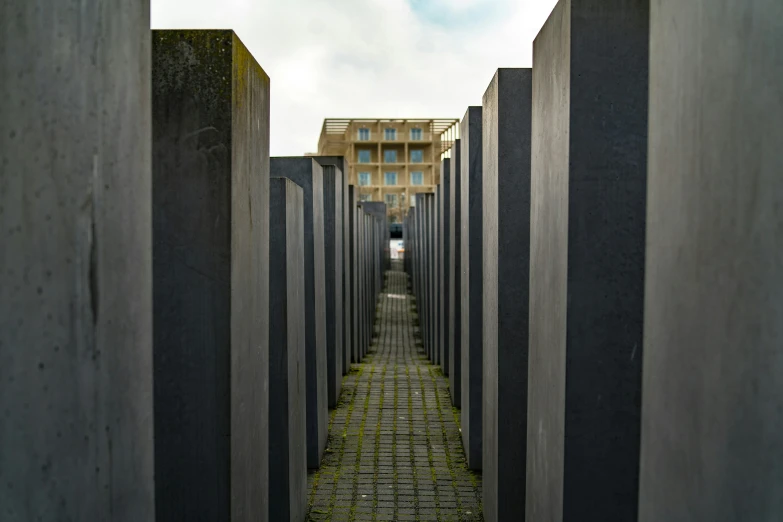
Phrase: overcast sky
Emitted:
{"points": [[368, 58]]}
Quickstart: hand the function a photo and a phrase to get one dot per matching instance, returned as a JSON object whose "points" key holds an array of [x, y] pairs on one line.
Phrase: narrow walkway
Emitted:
{"points": [[394, 450]]}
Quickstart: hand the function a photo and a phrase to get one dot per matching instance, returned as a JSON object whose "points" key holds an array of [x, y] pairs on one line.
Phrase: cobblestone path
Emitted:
{"points": [[394, 450]]}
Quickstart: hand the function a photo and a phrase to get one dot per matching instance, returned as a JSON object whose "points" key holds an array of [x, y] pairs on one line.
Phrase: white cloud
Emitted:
{"points": [[365, 58]]}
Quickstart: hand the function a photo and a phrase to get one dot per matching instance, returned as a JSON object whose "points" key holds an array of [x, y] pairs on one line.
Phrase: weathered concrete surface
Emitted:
{"points": [[333, 257], [438, 275], [308, 174], [444, 238], [429, 271], [587, 260], [359, 276], [713, 394], [506, 278], [380, 243], [373, 211], [452, 263], [471, 279], [211, 250], [395, 391], [364, 278], [339, 163], [347, 330], [353, 258], [287, 390], [422, 303], [76, 439]]}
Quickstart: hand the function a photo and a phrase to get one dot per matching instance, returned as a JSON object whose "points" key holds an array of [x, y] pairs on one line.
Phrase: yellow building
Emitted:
{"points": [[388, 160]]}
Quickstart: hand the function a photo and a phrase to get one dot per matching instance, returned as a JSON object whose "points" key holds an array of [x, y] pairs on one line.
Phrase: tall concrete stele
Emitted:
{"points": [[587, 248], [712, 394], [76, 439], [210, 193]]}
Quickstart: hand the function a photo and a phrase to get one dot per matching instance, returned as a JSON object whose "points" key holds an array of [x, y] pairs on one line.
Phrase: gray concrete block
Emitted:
{"points": [[210, 111], [368, 274], [339, 163], [428, 272], [443, 246], [374, 269], [433, 270], [415, 237], [377, 209], [428, 265], [453, 362], [333, 256], [712, 397], [347, 328], [587, 260], [411, 242], [471, 277], [308, 174], [353, 270], [287, 389], [506, 278], [378, 246], [363, 264], [437, 278], [76, 436], [423, 316], [361, 217], [420, 258]]}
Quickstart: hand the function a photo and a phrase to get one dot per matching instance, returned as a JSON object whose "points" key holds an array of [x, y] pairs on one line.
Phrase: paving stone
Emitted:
{"points": [[394, 442]]}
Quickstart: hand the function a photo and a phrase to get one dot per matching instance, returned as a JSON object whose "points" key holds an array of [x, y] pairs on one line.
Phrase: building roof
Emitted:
{"points": [[339, 125]]}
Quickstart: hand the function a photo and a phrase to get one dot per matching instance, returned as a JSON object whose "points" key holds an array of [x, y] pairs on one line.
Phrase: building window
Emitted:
{"points": [[416, 135], [365, 178], [417, 178], [364, 134], [365, 197], [390, 156], [364, 156], [391, 200], [390, 134], [417, 156], [390, 178]]}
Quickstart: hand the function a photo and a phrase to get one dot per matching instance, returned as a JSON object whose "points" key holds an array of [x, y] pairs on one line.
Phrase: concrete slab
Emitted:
{"points": [[450, 351], [587, 260], [438, 278], [377, 209], [339, 163], [308, 174], [353, 257], [287, 380], [76, 265], [210, 193], [364, 301], [427, 271], [333, 256], [506, 278], [712, 397], [471, 279]]}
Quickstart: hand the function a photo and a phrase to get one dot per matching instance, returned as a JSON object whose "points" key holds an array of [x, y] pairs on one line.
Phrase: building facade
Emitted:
{"points": [[388, 160]]}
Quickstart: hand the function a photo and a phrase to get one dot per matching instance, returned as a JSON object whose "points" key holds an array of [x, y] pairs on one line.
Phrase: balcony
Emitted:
{"points": [[399, 137], [405, 137]]}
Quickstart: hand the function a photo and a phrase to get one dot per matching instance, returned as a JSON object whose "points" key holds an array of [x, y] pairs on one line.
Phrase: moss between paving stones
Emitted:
{"points": [[396, 348]]}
